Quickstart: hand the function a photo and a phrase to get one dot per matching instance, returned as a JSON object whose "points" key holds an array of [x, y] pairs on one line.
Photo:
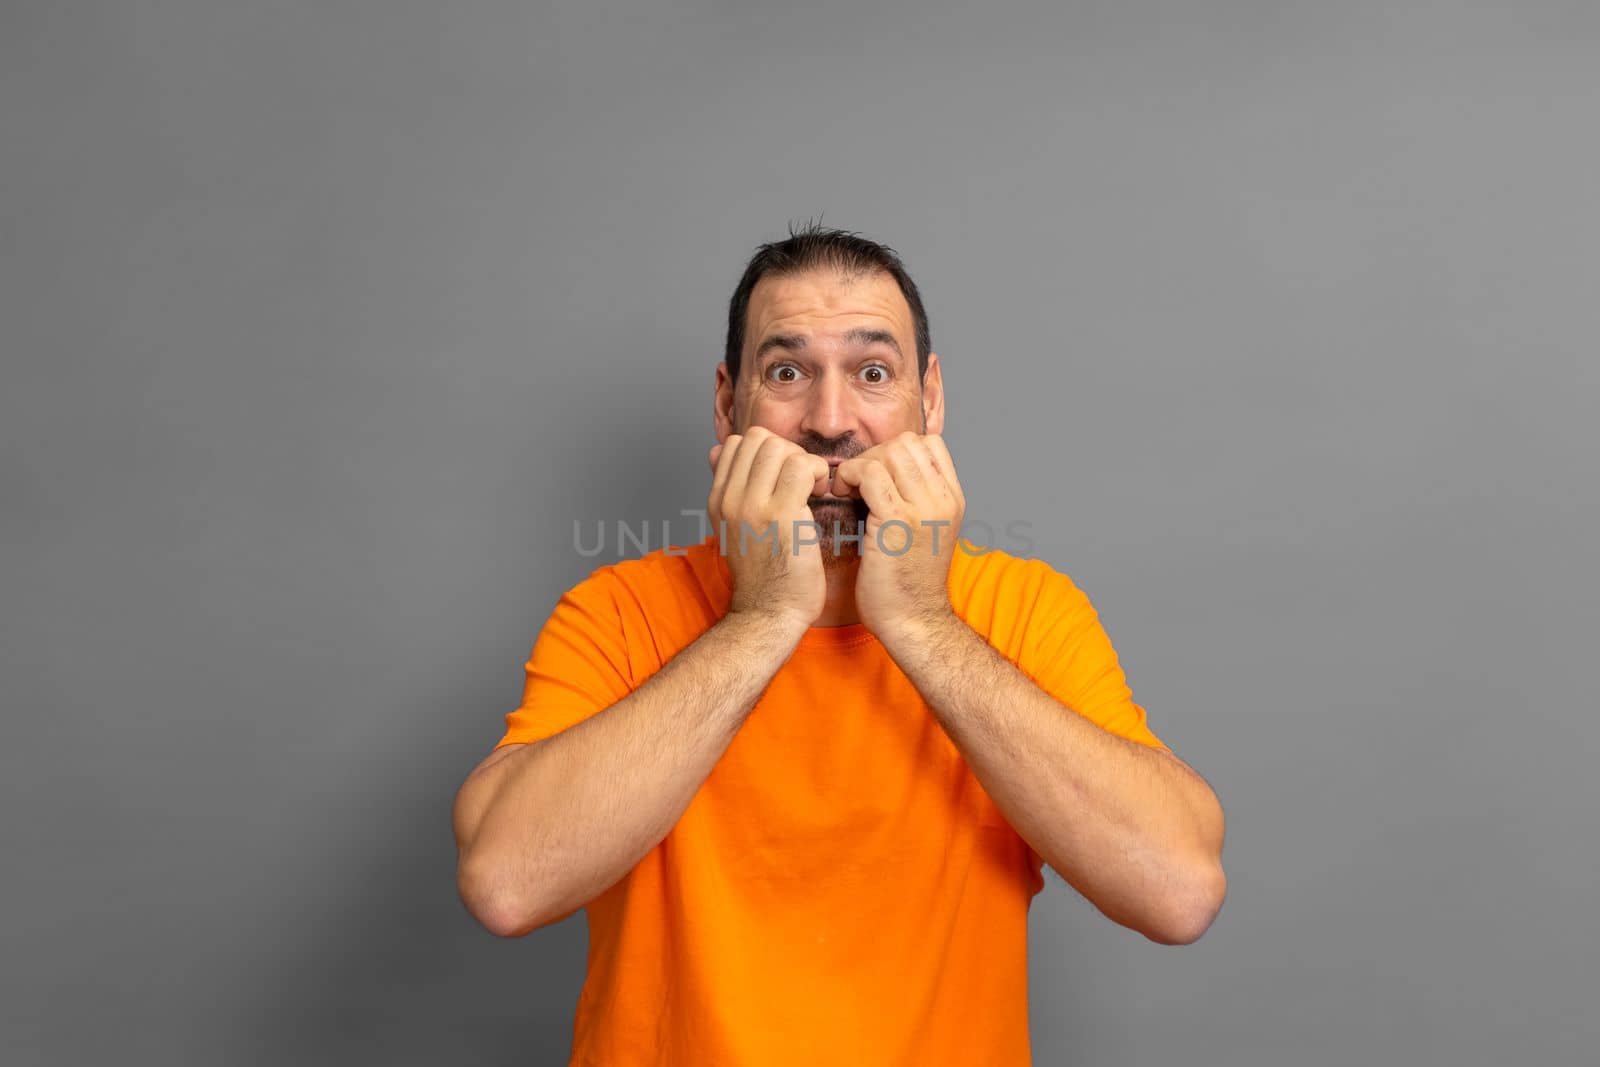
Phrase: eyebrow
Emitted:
{"points": [[861, 335]]}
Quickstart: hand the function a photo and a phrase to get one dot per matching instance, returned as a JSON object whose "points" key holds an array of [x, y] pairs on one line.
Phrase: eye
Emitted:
{"points": [[784, 372], [876, 373]]}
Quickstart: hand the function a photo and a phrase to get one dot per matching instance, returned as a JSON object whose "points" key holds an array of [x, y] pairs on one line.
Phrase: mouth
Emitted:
{"points": [[834, 502], [828, 489]]}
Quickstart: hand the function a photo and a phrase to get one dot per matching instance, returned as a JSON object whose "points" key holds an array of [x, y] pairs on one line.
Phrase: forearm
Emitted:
{"points": [[561, 821], [1132, 829]]}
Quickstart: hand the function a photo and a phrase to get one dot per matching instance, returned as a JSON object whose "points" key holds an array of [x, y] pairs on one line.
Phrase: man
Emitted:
{"points": [[804, 785]]}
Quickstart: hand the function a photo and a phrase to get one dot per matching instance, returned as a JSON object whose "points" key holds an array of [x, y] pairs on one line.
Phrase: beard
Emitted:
{"points": [[846, 517], [848, 513]]}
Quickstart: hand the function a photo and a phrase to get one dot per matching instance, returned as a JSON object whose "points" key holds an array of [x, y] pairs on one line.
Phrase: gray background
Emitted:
{"points": [[322, 322]]}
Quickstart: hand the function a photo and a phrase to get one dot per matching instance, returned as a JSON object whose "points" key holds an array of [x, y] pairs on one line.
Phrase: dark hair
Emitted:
{"points": [[813, 247]]}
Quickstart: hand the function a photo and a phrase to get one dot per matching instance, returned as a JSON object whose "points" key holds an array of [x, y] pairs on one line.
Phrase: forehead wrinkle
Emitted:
{"points": [[791, 302], [783, 333], [855, 337]]}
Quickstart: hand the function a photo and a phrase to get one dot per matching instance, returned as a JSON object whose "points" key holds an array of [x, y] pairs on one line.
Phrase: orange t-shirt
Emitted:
{"points": [[840, 889]]}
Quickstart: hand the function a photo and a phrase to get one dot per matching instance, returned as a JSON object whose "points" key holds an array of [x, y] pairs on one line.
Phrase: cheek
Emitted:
{"points": [[779, 415], [884, 421]]}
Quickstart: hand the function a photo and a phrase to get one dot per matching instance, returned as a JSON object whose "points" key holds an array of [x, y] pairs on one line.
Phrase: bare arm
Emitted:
{"points": [[1136, 831], [542, 829]]}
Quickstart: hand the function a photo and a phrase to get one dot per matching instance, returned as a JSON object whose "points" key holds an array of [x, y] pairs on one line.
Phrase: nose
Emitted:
{"points": [[829, 426], [829, 411]]}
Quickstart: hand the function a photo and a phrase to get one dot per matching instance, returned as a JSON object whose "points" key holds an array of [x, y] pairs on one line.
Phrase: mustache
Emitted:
{"points": [[831, 448]]}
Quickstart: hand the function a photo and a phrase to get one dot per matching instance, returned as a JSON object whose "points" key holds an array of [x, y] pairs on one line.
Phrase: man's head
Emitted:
{"points": [[828, 346]]}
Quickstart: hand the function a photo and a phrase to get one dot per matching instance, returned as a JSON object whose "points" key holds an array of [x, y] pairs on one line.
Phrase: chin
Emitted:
{"points": [[847, 511], [851, 515]]}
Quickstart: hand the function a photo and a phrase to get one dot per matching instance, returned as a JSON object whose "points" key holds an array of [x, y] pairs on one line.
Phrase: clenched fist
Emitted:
{"points": [[916, 507], [758, 499]]}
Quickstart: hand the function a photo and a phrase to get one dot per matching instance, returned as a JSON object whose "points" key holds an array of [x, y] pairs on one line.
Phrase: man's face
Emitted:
{"points": [[830, 363]]}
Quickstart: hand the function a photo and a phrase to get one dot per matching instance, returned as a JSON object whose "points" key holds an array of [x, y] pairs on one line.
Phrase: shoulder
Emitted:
{"points": [[672, 570], [666, 569], [996, 582], [662, 596]]}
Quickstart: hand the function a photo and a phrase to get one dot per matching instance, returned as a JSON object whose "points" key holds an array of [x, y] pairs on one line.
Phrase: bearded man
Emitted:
{"points": [[803, 776]]}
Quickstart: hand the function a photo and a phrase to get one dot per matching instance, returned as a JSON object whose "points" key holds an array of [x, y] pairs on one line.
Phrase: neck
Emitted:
{"points": [[840, 607]]}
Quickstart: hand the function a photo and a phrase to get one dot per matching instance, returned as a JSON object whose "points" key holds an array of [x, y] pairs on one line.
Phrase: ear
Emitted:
{"points": [[722, 403], [933, 396]]}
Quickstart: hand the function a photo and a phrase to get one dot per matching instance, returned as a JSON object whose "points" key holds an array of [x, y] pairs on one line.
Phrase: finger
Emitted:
{"points": [[716, 450], [878, 489], [847, 474], [946, 467], [824, 484], [902, 462], [739, 471], [876, 486], [797, 478], [935, 489], [830, 483], [766, 466], [725, 453]]}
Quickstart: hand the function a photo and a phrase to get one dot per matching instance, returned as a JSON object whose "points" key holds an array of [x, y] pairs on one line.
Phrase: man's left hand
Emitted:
{"points": [[915, 509]]}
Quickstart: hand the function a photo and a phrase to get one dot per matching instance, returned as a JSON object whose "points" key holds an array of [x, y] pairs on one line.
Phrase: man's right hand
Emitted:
{"points": [[759, 489]]}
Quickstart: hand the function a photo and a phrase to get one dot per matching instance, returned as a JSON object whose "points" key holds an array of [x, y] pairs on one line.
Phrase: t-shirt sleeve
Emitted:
{"points": [[1069, 656], [578, 666]]}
